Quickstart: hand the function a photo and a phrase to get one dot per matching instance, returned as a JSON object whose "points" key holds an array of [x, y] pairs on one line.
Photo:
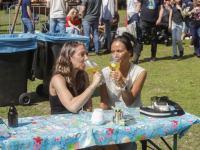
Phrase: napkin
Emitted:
{"points": [[4, 134]]}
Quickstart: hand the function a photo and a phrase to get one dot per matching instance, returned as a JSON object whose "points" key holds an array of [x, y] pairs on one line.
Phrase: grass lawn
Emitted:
{"points": [[178, 79]]}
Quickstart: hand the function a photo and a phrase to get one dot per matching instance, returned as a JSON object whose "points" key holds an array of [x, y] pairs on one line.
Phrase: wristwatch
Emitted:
{"points": [[124, 88]]}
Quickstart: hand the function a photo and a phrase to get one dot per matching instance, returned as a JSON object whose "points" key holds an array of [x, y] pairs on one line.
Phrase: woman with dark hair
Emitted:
{"points": [[177, 14], [69, 87], [194, 12], [127, 82]]}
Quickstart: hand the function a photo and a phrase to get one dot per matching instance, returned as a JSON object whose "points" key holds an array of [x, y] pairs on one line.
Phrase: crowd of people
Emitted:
{"points": [[97, 13]]}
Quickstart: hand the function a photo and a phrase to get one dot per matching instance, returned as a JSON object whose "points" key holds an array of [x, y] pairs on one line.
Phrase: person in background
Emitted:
{"points": [[26, 17], [150, 17], [131, 6], [106, 17], [58, 11], [188, 3], [127, 82], [72, 22], [177, 14], [90, 19], [69, 88], [194, 12]]}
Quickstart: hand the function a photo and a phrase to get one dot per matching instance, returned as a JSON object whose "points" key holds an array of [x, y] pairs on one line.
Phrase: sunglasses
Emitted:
{"points": [[162, 98]]}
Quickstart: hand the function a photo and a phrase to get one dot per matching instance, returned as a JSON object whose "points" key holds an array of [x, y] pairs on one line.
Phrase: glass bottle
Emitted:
{"points": [[12, 116]]}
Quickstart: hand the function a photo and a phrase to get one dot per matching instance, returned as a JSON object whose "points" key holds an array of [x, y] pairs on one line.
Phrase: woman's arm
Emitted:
{"points": [[71, 103], [129, 97], [170, 21], [71, 25], [183, 13], [88, 104], [104, 97]]}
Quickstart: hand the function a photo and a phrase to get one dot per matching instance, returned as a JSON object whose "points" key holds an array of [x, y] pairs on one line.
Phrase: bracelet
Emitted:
{"points": [[91, 90]]}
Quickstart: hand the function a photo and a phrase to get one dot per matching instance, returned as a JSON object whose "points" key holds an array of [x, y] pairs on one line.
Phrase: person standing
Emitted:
{"points": [[150, 17], [106, 17], [26, 17], [194, 12], [58, 11], [90, 14], [177, 14], [188, 3], [131, 6]]}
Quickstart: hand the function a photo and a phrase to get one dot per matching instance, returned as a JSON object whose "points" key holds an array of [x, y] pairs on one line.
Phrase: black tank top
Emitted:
{"points": [[55, 103]]}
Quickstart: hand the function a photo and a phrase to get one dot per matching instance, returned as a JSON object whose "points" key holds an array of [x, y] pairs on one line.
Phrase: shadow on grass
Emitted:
{"points": [[167, 58], [35, 98], [96, 92]]}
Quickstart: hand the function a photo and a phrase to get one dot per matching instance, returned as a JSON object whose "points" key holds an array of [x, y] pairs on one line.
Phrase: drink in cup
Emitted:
{"points": [[114, 66], [120, 105], [92, 67]]}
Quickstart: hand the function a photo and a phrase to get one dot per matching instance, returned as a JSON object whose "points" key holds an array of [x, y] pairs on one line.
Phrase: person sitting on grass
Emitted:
{"points": [[72, 22], [69, 88], [127, 81]]}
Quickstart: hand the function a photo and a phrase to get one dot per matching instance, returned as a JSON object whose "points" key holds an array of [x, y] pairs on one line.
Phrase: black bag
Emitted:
{"points": [[102, 41], [45, 28]]}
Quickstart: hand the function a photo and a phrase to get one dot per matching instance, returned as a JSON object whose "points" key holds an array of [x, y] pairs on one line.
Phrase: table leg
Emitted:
{"points": [[144, 144], [175, 142]]}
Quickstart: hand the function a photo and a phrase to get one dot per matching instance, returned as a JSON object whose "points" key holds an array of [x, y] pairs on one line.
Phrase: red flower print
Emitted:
{"points": [[38, 139], [34, 123], [166, 131], [110, 129], [109, 133], [176, 122], [143, 136]]}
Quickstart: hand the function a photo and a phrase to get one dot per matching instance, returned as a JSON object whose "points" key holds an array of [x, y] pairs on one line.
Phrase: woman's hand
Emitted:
{"points": [[117, 77], [97, 77], [178, 7], [169, 30]]}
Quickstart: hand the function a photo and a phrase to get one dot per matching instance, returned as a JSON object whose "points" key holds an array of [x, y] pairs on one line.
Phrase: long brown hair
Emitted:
{"points": [[63, 65], [195, 3]]}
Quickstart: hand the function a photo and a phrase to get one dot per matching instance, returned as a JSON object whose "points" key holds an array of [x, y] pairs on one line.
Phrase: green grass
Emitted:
{"points": [[178, 79]]}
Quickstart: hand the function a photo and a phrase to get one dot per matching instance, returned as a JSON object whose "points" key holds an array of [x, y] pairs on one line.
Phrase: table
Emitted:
{"points": [[74, 131]]}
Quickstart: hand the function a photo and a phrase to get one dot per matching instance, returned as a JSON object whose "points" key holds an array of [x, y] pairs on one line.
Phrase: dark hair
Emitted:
{"points": [[126, 39]]}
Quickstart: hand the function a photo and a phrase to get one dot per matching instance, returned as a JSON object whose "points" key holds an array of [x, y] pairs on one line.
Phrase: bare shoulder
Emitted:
{"points": [[57, 79]]}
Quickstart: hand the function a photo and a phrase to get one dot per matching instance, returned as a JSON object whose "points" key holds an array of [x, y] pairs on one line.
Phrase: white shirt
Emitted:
{"points": [[114, 92], [131, 6]]}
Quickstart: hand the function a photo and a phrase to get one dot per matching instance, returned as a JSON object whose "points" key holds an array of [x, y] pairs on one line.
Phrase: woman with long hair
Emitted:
{"points": [[72, 22], [194, 12], [177, 14], [69, 86]]}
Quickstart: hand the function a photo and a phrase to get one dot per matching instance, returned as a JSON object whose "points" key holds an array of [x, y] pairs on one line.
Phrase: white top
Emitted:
{"points": [[105, 7], [114, 92], [57, 8], [131, 6]]}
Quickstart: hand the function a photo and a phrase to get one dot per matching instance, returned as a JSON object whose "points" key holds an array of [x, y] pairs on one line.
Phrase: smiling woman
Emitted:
{"points": [[69, 87]]}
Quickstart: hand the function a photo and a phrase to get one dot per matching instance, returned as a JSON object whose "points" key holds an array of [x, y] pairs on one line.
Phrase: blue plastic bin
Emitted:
{"points": [[15, 66], [49, 46]]}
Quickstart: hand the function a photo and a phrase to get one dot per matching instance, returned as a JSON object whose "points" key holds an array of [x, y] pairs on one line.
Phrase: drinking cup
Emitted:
{"points": [[97, 116], [122, 106]]}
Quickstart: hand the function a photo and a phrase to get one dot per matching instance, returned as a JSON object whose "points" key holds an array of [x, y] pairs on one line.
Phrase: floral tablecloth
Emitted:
{"points": [[73, 131]]}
